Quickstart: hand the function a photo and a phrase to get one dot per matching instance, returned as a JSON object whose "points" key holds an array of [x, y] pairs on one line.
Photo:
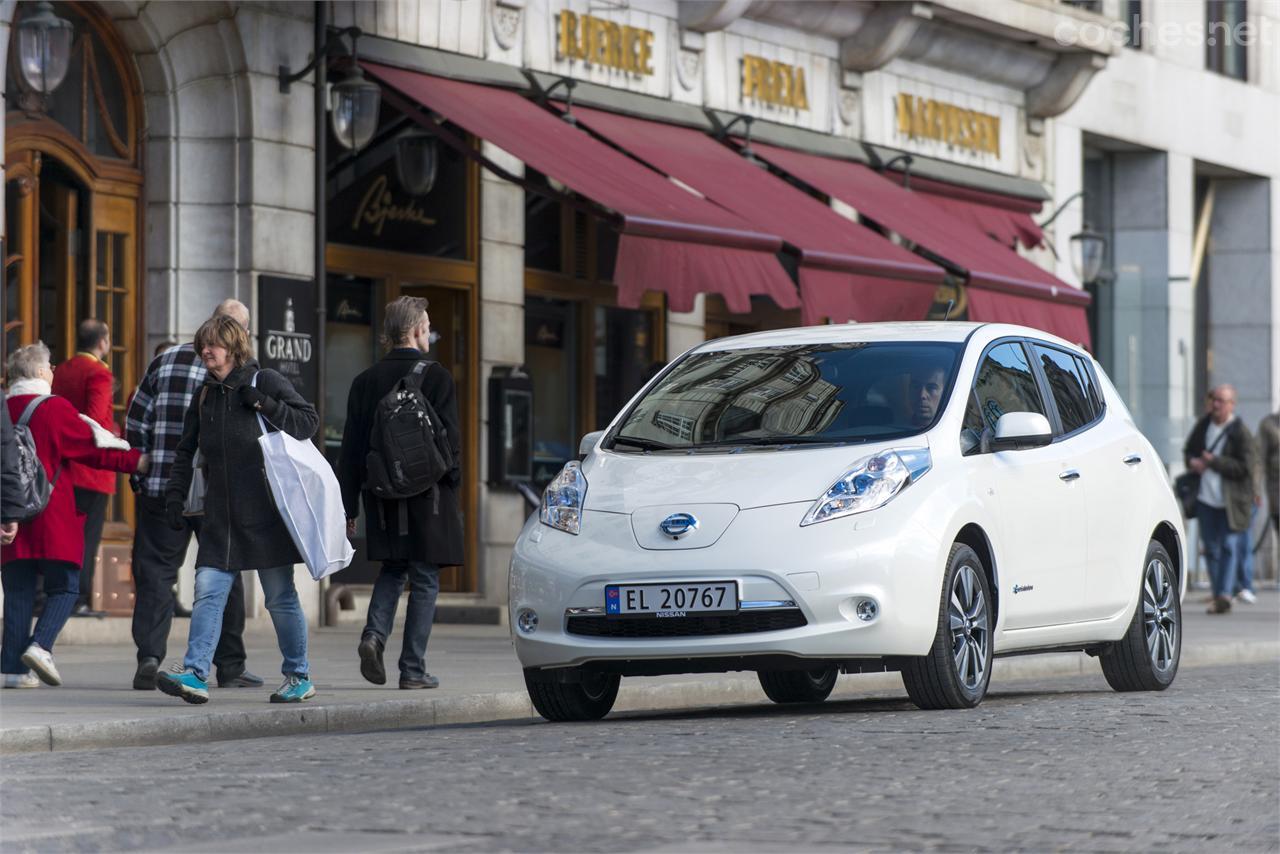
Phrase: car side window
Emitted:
{"points": [[1004, 383], [1062, 370], [1090, 386]]}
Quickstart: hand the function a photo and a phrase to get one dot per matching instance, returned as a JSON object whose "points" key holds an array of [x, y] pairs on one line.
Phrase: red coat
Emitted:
{"points": [[87, 384], [60, 436]]}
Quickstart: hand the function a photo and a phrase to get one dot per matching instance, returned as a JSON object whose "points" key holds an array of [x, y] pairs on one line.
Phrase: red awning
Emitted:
{"points": [[989, 266], [1006, 218], [711, 249], [847, 271]]}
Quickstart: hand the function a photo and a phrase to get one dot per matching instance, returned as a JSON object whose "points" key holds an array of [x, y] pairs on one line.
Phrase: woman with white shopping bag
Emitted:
{"points": [[242, 527]]}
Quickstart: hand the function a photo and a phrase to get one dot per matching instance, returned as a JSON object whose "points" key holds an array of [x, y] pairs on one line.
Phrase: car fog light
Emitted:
{"points": [[527, 621], [867, 610]]}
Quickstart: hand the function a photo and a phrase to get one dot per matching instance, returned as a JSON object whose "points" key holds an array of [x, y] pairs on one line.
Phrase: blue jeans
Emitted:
{"points": [[1242, 567], [1219, 543], [61, 586], [424, 586], [212, 587]]}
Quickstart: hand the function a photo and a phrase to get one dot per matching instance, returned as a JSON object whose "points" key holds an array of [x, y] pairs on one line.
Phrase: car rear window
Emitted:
{"points": [[831, 392]]}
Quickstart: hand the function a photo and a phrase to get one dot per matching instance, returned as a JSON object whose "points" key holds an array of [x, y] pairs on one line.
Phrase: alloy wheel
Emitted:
{"points": [[1160, 615], [970, 627]]}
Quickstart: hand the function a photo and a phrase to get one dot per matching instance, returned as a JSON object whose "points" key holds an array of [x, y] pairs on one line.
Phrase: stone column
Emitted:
{"points": [[686, 329], [1242, 294], [502, 511]]}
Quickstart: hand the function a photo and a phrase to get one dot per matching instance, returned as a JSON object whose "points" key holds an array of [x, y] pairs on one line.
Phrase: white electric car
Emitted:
{"points": [[915, 497]]}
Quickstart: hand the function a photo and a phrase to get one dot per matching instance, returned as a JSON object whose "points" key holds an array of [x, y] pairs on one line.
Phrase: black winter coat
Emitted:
{"points": [[241, 528], [435, 528]]}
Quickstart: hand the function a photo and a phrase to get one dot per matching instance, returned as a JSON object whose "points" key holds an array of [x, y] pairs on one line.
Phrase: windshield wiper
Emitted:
{"points": [[643, 444], [768, 440]]}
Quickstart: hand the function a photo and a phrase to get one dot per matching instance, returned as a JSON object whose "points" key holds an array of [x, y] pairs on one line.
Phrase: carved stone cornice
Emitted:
{"points": [[887, 31]]}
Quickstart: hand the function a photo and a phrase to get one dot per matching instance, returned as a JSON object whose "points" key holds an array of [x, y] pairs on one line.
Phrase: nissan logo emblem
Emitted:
{"points": [[678, 524]]}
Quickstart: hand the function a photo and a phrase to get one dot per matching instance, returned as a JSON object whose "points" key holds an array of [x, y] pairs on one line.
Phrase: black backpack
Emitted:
{"points": [[409, 451], [34, 487]]}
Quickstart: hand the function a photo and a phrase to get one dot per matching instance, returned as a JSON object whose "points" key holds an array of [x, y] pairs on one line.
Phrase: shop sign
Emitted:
{"points": [[287, 314], [379, 206], [775, 83], [371, 208], [925, 118], [603, 43]]}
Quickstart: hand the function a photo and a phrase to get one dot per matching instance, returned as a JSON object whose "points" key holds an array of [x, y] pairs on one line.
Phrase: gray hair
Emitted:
{"points": [[234, 309], [25, 362], [401, 317]]}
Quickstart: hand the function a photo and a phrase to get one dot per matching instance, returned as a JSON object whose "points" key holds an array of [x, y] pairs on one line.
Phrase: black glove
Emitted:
{"points": [[173, 512], [252, 397]]}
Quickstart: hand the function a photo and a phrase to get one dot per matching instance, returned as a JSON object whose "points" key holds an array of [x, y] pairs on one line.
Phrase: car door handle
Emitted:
{"points": [[1069, 475], [1132, 460]]}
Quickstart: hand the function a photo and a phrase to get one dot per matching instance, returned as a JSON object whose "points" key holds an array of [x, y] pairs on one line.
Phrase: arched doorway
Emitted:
{"points": [[73, 193]]}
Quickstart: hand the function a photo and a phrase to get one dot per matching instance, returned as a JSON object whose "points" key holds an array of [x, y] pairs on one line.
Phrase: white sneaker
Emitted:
{"points": [[40, 660], [21, 680], [1247, 597]]}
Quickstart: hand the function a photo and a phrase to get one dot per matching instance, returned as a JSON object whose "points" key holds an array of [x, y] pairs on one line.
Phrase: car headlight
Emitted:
{"points": [[870, 483], [562, 499]]}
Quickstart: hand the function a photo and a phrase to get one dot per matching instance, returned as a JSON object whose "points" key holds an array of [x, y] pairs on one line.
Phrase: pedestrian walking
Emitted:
{"points": [[1269, 451], [10, 476], [52, 543], [1221, 451], [154, 424], [242, 529], [413, 536], [86, 382]]}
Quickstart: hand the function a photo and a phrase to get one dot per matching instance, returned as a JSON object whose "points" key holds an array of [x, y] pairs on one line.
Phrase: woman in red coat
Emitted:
{"points": [[52, 543]]}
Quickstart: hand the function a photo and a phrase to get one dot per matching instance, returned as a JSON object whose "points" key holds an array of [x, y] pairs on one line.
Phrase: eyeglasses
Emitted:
{"points": [[1222, 399]]}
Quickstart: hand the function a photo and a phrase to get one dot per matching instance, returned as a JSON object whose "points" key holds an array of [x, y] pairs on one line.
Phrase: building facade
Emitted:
{"points": [[172, 169]]}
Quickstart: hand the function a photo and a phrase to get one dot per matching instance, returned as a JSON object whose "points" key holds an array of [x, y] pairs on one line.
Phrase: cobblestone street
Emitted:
{"points": [[1063, 764]]}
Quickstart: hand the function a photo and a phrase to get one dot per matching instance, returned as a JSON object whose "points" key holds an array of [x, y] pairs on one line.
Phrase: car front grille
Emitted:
{"points": [[742, 623]]}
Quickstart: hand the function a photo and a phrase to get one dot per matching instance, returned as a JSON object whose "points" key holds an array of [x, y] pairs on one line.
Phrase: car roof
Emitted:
{"points": [[843, 333]]}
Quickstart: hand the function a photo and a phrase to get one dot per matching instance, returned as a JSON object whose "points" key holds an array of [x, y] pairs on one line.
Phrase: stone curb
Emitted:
{"points": [[634, 696]]}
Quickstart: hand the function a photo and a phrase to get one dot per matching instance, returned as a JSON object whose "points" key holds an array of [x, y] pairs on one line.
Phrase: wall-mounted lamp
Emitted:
{"points": [[1088, 252], [416, 161], [354, 101], [44, 48]]}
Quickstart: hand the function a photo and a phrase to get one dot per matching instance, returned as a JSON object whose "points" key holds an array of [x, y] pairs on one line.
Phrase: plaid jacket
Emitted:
{"points": [[154, 421]]}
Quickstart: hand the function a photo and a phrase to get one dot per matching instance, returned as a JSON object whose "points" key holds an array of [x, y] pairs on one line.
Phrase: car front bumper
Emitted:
{"points": [[825, 569]]}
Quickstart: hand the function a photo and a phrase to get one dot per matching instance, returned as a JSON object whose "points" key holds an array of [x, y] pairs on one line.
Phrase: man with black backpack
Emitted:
{"points": [[400, 452]]}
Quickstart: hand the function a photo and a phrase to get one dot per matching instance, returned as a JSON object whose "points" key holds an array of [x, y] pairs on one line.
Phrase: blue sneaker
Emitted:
{"points": [[185, 685], [294, 689]]}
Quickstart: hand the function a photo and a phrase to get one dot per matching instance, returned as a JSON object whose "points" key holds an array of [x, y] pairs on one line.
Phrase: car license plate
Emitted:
{"points": [[671, 600]]}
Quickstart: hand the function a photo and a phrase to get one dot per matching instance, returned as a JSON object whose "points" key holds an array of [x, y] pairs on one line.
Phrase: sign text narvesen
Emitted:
{"points": [[600, 42], [925, 118]]}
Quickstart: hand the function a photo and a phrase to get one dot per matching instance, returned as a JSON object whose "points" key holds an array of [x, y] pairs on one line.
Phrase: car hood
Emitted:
{"points": [[754, 477]]}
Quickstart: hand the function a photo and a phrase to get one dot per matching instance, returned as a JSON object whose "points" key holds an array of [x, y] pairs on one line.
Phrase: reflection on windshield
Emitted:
{"points": [[828, 392]]}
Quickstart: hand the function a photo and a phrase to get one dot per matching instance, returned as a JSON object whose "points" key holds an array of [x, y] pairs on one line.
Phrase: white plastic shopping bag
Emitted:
{"points": [[309, 499]]}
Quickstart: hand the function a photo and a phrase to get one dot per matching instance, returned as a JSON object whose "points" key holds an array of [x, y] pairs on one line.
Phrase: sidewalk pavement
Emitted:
{"points": [[480, 682]]}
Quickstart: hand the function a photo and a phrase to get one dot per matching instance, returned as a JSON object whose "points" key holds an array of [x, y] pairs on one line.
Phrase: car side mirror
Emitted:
{"points": [[588, 443], [1016, 431]]}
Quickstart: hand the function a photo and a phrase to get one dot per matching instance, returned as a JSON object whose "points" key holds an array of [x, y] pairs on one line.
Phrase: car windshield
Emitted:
{"points": [[792, 395]]}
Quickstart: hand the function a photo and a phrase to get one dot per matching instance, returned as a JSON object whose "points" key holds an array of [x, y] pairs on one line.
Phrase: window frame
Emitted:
{"points": [[1046, 390], [1215, 55], [971, 397]]}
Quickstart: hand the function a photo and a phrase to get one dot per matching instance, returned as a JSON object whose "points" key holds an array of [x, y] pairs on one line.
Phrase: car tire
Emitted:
{"points": [[798, 686], [589, 699], [1146, 658], [957, 670]]}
